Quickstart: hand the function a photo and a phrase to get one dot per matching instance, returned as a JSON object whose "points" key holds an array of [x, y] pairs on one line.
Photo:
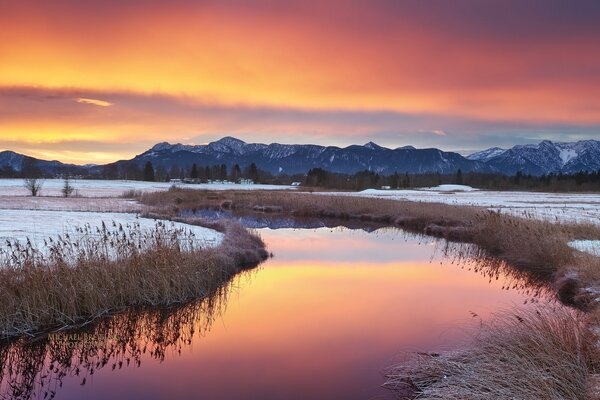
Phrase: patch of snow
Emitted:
{"points": [[39, 225], [587, 246], [451, 188], [567, 155], [486, 155]]}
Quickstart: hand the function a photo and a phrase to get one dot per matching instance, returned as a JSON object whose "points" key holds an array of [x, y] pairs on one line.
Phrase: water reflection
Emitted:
{"points": [[320, 320], [36, 368], [256, 220]]}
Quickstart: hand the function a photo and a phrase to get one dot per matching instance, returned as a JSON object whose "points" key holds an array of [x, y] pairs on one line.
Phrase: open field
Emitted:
{"points": [[92, 204], [116, 188], [555, 207]]}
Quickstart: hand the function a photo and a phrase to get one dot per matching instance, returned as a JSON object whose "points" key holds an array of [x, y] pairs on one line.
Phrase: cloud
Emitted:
{"points": [[95, 102], [48, 122]]}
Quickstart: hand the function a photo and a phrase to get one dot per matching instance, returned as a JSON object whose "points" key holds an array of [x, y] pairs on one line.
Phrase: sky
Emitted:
{"points": [[99, 80]]}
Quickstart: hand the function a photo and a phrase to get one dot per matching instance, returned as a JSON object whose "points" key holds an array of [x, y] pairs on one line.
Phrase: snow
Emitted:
{"points": [[113, 204], [115, 188], [556, 207], [452, 188], [486, 155], [38, 225], [588, 246], [567, 155]]}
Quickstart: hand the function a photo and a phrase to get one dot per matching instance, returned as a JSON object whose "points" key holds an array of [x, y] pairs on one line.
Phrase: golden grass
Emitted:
{"points": [[83, 280], [536, 354]]}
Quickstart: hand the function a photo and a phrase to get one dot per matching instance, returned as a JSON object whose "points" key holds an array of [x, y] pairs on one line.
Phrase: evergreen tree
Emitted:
{"points": [[236, 173], [194, 172], [459, 177], [252, 173], [149, 172]]}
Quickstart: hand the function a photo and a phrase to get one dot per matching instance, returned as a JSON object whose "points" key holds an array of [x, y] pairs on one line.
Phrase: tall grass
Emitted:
{"points": [[73, 281], [541, 353]]}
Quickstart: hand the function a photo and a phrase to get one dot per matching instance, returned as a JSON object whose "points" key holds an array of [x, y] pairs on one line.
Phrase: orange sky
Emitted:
{"points": [[456, 75]]}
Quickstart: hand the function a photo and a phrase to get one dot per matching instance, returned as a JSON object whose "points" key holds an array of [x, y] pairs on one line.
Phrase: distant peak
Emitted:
{"points": [[161, 146], [407, 148], [373, 146], [230, 140]]}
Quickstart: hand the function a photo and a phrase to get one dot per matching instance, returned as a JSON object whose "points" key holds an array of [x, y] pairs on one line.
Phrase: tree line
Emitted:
{"points": [[196, 173], [318, 177], [580, 181]]}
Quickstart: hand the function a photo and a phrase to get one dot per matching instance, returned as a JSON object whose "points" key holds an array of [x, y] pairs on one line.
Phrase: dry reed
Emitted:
{"points": [[79, 280], [541, 353]]}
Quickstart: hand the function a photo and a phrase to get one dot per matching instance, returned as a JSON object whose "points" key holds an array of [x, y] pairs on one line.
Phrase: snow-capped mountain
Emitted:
{"points": [[290, 159], [486, 155], [543, 158], [536, 159]]}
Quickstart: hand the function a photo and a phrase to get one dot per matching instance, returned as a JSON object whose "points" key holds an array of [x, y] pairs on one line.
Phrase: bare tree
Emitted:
{"points": [[33, 185], [68, 189]]}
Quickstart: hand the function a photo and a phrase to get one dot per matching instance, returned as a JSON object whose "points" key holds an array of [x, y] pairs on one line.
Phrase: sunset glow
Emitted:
{"points": [[78, 75]]}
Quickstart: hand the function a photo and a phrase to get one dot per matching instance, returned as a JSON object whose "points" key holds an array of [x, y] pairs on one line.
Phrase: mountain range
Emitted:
{"points": [[535, 159]]}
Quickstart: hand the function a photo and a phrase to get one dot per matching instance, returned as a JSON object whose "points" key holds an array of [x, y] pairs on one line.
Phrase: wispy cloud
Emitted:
{"points": [[95, 102]]}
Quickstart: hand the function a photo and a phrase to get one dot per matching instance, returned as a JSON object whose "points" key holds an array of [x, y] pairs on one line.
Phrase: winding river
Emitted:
{"points": [[322, 319]]}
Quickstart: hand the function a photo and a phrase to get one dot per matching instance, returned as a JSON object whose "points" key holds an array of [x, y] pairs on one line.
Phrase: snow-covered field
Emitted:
{"points": [[588, 246], [38, 225], [113, 204], [563, 207], [106, 188]]}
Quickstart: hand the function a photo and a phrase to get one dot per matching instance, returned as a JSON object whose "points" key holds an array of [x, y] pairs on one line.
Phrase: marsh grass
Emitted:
{"points": [[538, 353], [71, 281]]}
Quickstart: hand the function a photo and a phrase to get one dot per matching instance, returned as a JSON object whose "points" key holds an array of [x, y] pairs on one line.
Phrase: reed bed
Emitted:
{"points": [[69, 281], [539, 353]]}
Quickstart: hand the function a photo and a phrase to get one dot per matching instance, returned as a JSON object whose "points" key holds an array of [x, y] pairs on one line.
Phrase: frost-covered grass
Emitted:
{"points": [[541, 353], [561, 207], [115, 188]]}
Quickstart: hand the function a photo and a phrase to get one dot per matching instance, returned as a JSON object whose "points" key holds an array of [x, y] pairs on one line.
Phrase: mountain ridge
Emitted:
{"points": [[535, 159]]}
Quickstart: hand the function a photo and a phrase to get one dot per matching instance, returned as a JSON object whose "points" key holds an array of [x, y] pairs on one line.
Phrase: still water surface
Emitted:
{"points": [[321, 320]]}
